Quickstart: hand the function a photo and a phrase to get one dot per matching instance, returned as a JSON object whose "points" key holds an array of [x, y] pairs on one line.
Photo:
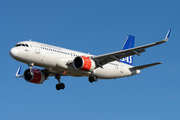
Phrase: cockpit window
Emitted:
{"points": [[18, 45], [24, 45]]}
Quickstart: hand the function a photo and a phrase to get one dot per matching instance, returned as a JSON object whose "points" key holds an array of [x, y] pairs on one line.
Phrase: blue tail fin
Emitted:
{"points": [[129, 43]]}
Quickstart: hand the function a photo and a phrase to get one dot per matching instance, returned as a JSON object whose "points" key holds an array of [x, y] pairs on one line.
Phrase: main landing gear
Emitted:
{"points": [[59, 85], [93, 78]]}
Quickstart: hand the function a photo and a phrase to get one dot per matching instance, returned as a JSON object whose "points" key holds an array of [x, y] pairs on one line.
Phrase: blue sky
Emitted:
{"points": [[97, 27]]}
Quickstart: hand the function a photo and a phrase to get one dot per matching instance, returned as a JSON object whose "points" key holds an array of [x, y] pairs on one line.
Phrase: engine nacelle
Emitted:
{"points": [[37, 77], [84, 63]]}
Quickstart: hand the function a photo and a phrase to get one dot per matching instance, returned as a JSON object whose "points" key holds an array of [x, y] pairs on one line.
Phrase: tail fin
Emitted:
{"points": [[129, 43]]}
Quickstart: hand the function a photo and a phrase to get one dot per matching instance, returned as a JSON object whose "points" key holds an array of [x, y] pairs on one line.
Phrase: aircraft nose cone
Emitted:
{"points": [[13, 52]]}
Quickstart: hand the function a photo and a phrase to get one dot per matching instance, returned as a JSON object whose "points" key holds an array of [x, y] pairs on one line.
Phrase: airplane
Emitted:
{"points": [[58, 61]]}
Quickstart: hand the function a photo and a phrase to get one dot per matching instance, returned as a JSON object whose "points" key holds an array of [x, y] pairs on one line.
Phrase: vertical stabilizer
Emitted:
{"points": [[129, 43]]}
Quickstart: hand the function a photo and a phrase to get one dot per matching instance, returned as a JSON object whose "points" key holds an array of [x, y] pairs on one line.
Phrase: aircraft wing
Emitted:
{"points": [[101, 60]]}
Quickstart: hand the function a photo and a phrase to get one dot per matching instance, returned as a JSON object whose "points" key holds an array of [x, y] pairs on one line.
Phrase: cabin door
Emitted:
{"points": [[121, 68], [37, 47]]}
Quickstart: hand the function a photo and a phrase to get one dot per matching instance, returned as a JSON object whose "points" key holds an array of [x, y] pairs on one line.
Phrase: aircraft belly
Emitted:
{"points": [[67, 72], [111, 72]]}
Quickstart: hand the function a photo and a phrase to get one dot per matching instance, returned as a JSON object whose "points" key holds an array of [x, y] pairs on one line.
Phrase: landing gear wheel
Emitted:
{"points": [[93, 78], [60, 86]]}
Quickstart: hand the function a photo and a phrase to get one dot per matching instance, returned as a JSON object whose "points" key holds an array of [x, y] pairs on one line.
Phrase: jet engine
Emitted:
{"points": [[84, 63], [36, 76]]}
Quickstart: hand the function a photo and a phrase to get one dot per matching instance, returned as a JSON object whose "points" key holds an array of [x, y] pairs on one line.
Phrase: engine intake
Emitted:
{"points": [[38, 77], [84, 63]]}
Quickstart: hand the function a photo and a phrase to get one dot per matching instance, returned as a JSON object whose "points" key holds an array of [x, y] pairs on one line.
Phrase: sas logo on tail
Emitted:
{"points": [[127, 60]]}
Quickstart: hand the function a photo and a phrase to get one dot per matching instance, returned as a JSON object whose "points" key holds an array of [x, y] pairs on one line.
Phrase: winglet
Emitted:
{"points": [[168, 34], [18, 72]]}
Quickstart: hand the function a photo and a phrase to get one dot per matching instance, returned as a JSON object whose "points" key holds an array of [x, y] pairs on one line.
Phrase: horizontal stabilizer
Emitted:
{"points": [[145, 66]]}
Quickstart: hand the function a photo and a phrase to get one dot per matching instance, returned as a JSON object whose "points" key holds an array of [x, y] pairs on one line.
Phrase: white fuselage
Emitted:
{"points": [[55, 59]]}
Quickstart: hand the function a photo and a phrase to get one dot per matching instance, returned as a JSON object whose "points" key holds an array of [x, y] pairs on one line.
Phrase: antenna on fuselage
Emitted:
{"points": [[30, 40]]}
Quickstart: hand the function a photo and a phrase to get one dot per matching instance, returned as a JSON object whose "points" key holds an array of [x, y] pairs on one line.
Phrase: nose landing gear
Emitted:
{"points": [[30, 67]]}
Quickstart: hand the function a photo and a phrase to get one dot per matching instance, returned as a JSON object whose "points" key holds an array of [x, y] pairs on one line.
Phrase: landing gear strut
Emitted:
{"points": [[30, 67], [59, 85]]}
